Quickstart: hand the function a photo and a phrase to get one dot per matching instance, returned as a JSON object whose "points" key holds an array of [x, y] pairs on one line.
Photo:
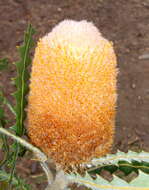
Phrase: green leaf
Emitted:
{"points": [[143, 166], [140, 183], [126, 167], [1, 142], [5, 146], [1, 106], [5, 177], [115, 158], [11, 108], [21, 83], [17, 182], [98, 169], [1, 113], [126, 162], [110, 168], [13, 128], [14, 158], [3, 64], [22, 79], [20, 95], [4, 101]]}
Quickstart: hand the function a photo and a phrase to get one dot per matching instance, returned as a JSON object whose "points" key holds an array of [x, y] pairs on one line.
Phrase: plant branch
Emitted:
{"points": [[41, 157]]}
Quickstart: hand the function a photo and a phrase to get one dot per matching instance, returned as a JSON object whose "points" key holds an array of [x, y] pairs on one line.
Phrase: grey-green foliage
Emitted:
{"points": [[126, 162], [140, 183], [119, 156]]}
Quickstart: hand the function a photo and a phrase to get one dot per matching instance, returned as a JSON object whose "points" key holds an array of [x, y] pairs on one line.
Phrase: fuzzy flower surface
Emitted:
{"points": [[72, 100]]}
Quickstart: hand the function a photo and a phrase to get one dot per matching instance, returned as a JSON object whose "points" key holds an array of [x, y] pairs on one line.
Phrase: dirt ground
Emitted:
{"points": [[125, 22]]}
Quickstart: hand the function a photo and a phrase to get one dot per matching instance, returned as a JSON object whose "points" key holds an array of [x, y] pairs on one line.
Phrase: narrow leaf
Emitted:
{"points": [[22, 89], [21, 79]]}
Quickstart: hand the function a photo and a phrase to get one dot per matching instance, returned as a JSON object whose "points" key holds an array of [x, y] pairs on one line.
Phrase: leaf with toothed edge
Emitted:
{"points": [[139, 183], [21, 83], [21, 80], [114, 158], [126, 162]]}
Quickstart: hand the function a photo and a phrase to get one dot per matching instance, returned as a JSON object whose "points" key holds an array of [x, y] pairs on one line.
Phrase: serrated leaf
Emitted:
{"points": [[126, 167], [143, 166], [22, 89], [21, 80], [126, 162], [115, 158], [140, 183], [19, 110]]}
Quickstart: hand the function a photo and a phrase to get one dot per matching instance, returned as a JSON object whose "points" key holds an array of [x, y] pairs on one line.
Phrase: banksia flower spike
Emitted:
{"points": [[72, 98]]}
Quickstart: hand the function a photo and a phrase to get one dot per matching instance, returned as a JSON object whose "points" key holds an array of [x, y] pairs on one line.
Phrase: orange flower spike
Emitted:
{"points": [[72, 98]]}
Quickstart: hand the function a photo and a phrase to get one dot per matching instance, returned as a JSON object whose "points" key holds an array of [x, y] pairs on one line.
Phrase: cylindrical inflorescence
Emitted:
{"points": [[72, 99]]}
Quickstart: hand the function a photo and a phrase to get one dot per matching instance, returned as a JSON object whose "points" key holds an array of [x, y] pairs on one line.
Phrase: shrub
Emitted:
{"points": [[71, 112]]}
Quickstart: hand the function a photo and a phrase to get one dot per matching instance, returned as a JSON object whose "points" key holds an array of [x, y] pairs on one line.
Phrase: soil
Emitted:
{"points": [[126, 23]]}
